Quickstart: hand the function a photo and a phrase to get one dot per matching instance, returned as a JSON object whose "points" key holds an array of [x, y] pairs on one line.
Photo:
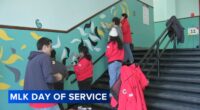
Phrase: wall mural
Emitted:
{"points": [[89, 33], [4, 36], [15, 46]]}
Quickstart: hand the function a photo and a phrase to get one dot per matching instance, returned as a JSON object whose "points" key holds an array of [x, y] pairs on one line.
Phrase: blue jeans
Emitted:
{"points": [[50, 108], [128, 53], [114, 71]]}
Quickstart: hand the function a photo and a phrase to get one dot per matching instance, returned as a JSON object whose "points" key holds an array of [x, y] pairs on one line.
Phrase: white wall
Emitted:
{"points": [[184, 8], [171, 8], [160, 10], [164, 9], [53, 14]]}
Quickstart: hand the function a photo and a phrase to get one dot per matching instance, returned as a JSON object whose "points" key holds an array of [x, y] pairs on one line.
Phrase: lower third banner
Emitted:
{"points": [[51, 96]]}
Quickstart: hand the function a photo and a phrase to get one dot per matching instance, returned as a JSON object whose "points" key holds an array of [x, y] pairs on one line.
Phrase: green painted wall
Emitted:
{"points": [[24, 41], [190, 41], [143, 35]]}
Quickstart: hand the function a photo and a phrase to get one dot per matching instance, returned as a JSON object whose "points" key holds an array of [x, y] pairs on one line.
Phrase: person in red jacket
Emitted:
{"points": [[84, 69], [115, 56], [127, 39], [84, 72]]}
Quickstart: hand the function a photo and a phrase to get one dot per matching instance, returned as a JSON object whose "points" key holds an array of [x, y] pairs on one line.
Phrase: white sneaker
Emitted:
{"points": [[110, 95], [89, 108], [83, 108], [79, 107]]}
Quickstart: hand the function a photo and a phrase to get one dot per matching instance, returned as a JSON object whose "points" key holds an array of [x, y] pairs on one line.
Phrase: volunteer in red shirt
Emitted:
{"points": [[127, 39], [115, 56], [84, 72], [84, 69]]}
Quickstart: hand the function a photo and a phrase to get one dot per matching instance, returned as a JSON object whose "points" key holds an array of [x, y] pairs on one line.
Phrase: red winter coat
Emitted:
{"points": [[113, 53], [126, 30], [83, 69], [131, 96]]}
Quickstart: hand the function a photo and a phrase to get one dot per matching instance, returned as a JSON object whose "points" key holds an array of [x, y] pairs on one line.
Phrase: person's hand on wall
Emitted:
{"points": [[74, 59], [69, 66], [76, 55], [58, 76], [74, 63]]}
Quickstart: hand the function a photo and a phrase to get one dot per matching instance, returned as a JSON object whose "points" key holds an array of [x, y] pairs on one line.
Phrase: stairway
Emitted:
{"points": [[102, 84], [177, 88]]}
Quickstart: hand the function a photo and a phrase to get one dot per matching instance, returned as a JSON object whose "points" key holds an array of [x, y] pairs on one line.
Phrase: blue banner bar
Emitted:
{"points": [[54, 96]]}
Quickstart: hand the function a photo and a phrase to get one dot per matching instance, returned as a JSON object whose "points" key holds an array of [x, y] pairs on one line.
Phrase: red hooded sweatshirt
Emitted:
{"points": [[131, 96], [126, 30], [113, 53], [83, 69]]}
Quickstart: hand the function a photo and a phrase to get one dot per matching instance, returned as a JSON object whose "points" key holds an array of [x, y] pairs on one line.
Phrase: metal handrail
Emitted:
{"points": [[152, 47], [157, 59], [155, 48]]}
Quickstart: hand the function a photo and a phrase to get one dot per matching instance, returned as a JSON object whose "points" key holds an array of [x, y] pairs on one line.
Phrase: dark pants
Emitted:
{"points": [[85, 84], [59, 86]]}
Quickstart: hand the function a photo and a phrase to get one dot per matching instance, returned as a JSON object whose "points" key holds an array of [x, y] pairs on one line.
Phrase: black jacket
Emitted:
{"points": [[59, 68], [175, 28]]}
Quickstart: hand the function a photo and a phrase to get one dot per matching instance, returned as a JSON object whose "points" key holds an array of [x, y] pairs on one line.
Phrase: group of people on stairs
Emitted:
{"points": [[43, 72]]}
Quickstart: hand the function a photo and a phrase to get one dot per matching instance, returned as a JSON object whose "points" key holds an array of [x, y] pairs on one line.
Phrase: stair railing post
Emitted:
{"points": [[175, 40], [158, 58], [199, 36]]}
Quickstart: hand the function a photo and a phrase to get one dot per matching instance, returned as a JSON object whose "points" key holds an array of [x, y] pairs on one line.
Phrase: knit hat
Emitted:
{"points": [[113, 32]]}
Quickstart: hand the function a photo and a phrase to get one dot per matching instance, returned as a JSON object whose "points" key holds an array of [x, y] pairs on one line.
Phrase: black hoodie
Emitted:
{"points": [[39, 74]]}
